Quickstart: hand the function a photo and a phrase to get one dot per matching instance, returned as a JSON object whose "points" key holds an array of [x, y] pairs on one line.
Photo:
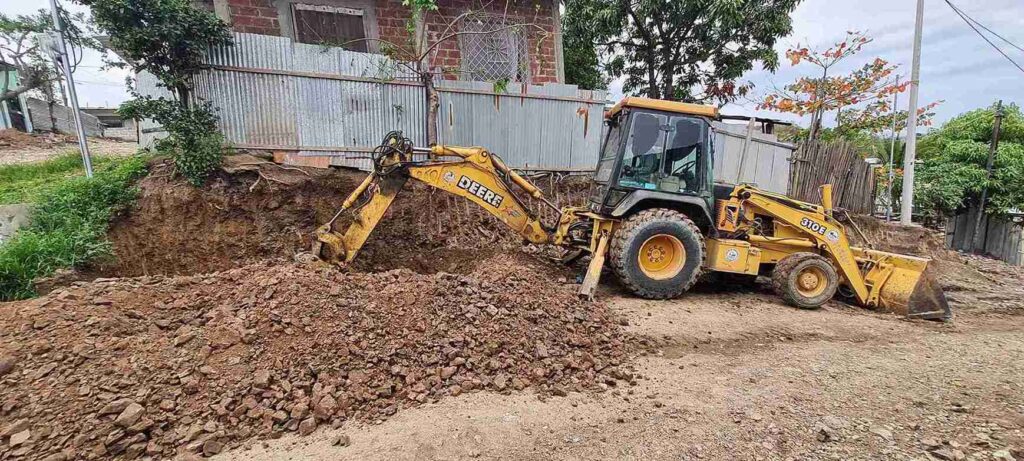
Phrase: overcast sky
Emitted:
{"points": [[957, 65]]}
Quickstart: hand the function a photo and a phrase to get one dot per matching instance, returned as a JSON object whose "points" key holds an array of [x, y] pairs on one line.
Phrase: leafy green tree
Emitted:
{"points": [[683, 50], [582, 63], [168, 39], [22, 49], [954, 157]]}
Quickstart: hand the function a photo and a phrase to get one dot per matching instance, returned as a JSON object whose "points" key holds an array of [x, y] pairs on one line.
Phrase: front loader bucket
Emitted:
{"points": [[912, 290]]}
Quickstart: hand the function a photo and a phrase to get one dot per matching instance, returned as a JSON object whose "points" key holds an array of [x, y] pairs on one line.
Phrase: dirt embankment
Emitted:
{"points": [[270, 212]]}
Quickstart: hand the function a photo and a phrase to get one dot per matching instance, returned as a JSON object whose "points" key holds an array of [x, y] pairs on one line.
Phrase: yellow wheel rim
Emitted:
{"points": [[661, 257], [811, 281]]}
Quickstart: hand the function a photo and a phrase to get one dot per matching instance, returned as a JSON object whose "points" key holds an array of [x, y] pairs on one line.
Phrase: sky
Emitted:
{"points": [[957, 66], [96, 87]]}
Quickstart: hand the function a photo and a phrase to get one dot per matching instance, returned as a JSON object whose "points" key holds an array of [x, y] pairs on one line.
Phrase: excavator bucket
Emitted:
{"points": [[911, 288]]}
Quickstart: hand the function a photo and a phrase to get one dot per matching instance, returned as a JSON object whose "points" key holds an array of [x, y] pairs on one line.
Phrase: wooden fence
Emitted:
{"points": [[1002, 237], [836, 163]]}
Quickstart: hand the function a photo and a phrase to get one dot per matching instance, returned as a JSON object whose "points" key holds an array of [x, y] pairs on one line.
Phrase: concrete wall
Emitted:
{"points": [[55, 117]]}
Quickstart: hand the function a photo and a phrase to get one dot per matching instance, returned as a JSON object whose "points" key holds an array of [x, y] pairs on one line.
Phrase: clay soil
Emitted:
{"points": [[452, 340]]}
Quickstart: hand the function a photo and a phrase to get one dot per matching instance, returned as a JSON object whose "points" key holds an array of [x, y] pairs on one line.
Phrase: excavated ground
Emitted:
{"points": [[258, 211], [202, 332], [202, 335]]}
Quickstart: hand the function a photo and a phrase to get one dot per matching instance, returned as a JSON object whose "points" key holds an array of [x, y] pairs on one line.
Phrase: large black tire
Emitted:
{"points": [[638, 229], [786, 280]]}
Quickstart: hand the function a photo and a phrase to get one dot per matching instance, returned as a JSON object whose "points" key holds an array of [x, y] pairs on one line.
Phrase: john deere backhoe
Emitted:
{"points": [[657, 215]]}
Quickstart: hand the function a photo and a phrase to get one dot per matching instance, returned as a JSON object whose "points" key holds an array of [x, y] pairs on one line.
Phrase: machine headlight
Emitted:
{"points": [[614, 197]]}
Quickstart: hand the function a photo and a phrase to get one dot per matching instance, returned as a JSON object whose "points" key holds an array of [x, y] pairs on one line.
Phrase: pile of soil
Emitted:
{"points": [[197, 364], [14, 139], [245, 215], [971, 282]]}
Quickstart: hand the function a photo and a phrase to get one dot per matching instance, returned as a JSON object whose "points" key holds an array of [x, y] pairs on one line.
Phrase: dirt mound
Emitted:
{"points": [[271, 212], [14, 139], [971, 282], [164, 365]]}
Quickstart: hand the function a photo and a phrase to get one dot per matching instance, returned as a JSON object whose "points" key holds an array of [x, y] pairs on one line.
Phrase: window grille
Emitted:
{"points": [[492, 49]]}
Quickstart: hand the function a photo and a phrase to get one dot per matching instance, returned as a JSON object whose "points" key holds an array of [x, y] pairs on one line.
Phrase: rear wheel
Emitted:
{"points": [[805, 280], [658, 253]]}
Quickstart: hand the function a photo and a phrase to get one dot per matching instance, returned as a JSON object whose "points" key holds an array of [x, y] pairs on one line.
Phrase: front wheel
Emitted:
{"points": [[805, 280], [658, 253]]}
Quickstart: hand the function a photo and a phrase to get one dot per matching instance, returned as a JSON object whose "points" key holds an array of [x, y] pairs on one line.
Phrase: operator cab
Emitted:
{"points": [[655, 150]]}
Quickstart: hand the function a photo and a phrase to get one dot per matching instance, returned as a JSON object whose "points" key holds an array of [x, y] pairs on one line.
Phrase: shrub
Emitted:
{"points": [[193, 142]]}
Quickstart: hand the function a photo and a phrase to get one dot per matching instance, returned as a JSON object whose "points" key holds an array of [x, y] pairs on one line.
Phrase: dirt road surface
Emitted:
{"points": [[738, 376], [18, 147]]}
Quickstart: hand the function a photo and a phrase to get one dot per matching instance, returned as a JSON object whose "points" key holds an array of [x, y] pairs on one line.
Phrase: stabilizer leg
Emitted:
{"points": [[594, 269]]}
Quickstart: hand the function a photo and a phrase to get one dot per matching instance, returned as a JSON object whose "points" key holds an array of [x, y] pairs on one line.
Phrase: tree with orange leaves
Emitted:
{"points": [[869, 86]]}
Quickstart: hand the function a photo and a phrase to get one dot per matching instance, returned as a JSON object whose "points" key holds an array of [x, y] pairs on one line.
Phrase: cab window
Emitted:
{"points": [[682, 155], [606, 164], [642, 159]]}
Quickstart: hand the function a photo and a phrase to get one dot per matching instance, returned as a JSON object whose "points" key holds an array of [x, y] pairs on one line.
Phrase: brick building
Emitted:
{"points": [[488, 41]]}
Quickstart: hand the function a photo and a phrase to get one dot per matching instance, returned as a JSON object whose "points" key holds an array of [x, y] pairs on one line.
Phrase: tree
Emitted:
{"points": [[582, 63], [954, 158], [681, 50], [22, 49], [168, 39], [869, 87]]}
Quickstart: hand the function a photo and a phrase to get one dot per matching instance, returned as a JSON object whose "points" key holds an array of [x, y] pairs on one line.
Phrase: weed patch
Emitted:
{"points": [[27, 182], [69, 225]]}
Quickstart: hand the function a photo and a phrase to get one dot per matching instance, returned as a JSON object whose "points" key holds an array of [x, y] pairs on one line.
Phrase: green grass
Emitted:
{"points": [[70, 218], [27, 182]]}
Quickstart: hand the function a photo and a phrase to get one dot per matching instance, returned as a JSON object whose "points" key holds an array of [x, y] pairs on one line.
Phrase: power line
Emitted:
{"points": [[986, 28], [971, 24]]}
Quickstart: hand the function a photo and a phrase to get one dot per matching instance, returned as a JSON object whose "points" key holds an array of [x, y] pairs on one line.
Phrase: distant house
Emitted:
{"points": [[530, 54]]}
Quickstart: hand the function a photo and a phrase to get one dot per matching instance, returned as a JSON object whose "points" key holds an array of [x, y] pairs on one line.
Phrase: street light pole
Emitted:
{"points": [[66, 67], [907, 202]]}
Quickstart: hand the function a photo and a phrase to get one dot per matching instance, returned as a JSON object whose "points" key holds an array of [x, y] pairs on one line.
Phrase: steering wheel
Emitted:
{"points": [[683, 167]]}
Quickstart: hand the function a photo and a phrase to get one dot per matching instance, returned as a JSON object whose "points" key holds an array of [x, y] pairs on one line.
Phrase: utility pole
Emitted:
{"points": [[892, 157], [978, 244], [62, 50], [907, 202]]}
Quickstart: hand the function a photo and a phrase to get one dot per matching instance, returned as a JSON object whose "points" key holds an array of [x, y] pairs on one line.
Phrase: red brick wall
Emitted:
{"points": [[254, 16], [392, 18], [260, 17]]}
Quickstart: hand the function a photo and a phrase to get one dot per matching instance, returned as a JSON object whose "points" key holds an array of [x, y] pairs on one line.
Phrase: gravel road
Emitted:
{"points": [[739, 376]]}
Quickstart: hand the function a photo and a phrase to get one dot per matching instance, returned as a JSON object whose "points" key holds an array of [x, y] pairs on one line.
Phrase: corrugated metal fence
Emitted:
{"points": [[275, 94], [765, 160], [1001, 237]]}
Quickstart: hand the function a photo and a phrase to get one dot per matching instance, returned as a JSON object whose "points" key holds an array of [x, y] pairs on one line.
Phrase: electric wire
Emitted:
{"points": [[975, 21], [969, 22]]}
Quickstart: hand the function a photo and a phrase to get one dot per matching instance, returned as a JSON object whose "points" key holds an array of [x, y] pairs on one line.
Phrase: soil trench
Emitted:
{"points": [[241, 217]]}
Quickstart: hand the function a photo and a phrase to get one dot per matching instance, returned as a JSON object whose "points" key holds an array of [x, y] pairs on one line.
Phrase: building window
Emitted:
{"points": [[331, 25], [492, 50]]}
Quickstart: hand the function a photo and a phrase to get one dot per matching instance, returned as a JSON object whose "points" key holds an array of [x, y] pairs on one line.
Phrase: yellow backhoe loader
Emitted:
{"points": [[657, 215]]}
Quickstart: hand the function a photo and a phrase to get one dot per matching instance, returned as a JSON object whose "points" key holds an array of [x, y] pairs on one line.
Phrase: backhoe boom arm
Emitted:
{"points": [[472, 173]]}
